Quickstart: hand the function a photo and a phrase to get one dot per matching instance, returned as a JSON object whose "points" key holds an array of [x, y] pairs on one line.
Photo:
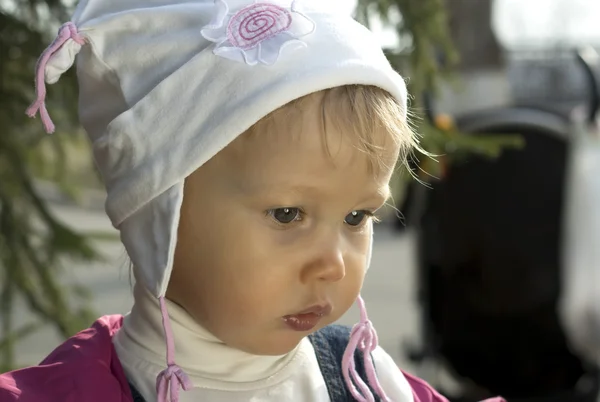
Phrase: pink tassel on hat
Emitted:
{"points": [[66, 32]]}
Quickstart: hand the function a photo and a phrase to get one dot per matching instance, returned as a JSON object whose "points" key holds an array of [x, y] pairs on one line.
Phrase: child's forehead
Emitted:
{"points": [[319, 120], [258, 167], [300, 166], [302, 138], [339, 128]]}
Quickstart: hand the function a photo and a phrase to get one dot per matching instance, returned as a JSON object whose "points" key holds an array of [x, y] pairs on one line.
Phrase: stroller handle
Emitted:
{"points": [[589, 60]]}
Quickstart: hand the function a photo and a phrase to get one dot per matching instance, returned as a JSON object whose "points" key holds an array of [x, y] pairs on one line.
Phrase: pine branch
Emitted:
{"points": [[430, 60], [33, 243]]}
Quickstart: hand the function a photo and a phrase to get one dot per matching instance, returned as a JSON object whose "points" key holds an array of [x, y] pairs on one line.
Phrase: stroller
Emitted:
{"points": [[489, 241]]}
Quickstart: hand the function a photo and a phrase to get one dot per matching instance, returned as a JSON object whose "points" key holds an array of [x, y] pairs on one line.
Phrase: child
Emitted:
{"points": [[245, 149]]}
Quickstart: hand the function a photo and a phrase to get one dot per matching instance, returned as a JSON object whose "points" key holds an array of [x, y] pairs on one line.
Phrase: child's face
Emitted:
{"points": [[244, 263]]}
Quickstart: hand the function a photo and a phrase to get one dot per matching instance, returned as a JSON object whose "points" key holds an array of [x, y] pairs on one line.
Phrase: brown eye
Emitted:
{"points": [[285, 215], [355, 218]]}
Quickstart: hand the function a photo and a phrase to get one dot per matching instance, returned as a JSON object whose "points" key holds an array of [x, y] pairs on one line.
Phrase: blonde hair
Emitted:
{"points": [[358, 111]]}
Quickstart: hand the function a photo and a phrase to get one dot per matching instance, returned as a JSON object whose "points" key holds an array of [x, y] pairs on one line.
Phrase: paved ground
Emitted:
{"points": [[387, 291]]}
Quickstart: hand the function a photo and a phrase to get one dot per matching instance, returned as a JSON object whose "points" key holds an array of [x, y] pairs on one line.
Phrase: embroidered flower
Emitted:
{"points": [[256, 32]]}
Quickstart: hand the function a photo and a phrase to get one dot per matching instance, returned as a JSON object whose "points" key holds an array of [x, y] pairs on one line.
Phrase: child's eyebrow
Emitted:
{"points": [[294, 188], [378, 195], [381, 195]]}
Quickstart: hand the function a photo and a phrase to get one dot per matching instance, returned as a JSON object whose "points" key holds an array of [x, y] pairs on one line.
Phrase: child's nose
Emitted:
{"points": [[326, 261]]}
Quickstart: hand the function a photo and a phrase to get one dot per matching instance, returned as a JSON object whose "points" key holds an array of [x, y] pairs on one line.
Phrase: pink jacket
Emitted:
{"points": [[86, 369]]}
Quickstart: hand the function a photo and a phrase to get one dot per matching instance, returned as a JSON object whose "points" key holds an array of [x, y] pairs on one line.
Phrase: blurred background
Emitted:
{"points": [[484, 274]]}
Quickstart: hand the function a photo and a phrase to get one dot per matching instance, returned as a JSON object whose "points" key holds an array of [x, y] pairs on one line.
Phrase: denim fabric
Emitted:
{"points": [[137, 397], [329, 344]]}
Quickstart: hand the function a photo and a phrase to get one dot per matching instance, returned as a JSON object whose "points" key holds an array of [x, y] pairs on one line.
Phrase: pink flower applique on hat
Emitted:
{"points": [[257, 31]]}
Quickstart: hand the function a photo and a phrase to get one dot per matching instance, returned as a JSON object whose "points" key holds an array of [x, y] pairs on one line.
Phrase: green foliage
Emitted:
{"points": [[423, 25], [33, 243], [428, 59]]}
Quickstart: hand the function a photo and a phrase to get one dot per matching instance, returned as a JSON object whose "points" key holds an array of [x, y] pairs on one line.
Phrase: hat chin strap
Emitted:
{"points": [[363, 337], [173, 377]]}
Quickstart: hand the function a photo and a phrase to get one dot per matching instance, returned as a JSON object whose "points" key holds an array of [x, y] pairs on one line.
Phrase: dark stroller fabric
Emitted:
{"points": [[490, 247]]}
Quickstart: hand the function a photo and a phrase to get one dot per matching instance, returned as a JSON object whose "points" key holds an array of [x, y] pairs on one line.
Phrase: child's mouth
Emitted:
{"points": [[307, 319]]}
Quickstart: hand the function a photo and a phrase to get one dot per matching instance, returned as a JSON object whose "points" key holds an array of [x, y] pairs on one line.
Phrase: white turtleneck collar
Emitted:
{"points": [[207, 361]]}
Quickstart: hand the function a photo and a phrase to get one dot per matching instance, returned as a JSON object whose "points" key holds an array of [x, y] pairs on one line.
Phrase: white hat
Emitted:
{"points": [[166, 84]]}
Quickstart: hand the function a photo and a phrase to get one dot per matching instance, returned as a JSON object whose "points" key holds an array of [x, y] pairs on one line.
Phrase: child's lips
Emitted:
{"points": [[307, 319]]}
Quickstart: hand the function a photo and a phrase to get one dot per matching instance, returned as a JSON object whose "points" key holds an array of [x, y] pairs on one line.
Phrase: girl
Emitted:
{"points": [[245, 147]]}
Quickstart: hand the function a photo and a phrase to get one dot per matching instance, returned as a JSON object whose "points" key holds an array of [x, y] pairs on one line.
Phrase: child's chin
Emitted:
{"points": [[283, 347], [279, 344]]}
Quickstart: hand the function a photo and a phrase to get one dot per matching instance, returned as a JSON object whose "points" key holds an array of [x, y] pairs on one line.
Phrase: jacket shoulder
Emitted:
{"points": [[85, 367]]}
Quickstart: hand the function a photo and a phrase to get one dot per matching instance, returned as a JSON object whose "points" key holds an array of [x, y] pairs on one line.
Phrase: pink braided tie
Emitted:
{"points": [[169, 381], [173, 377], [364, 338], [66, 32]]}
